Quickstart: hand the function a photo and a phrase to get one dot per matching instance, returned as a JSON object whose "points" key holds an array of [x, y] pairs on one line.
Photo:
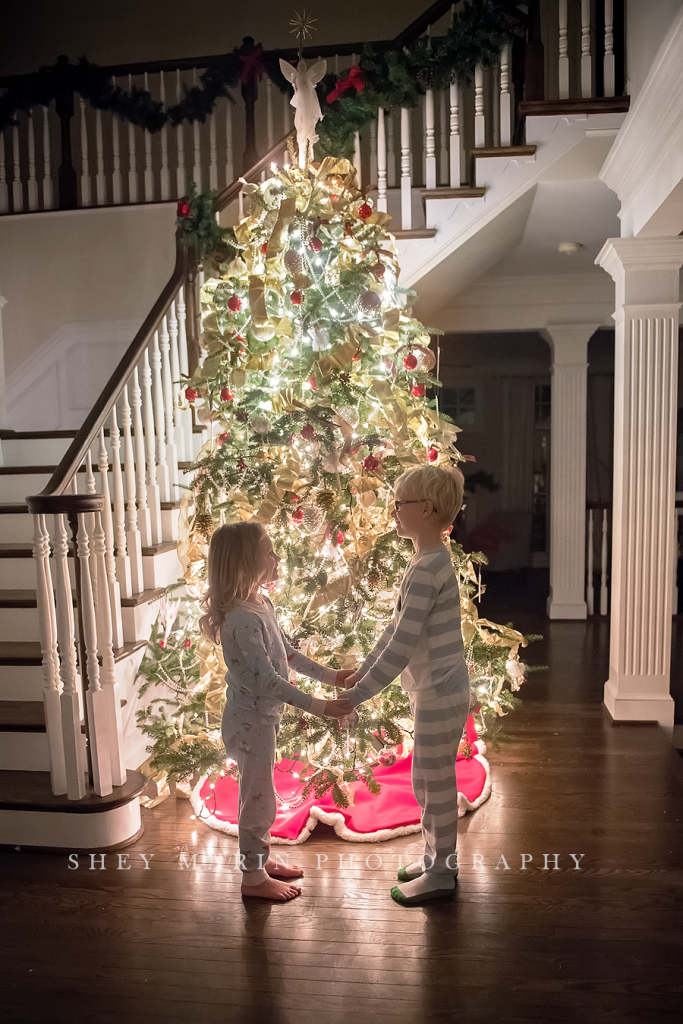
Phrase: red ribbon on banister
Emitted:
{"points": [[354, 80], [252, 66]]}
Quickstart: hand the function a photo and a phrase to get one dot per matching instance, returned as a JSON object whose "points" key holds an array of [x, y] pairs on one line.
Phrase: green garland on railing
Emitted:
{"points": [[389, 77]]}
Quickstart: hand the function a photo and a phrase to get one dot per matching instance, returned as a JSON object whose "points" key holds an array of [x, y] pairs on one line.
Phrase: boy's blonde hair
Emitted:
{"points": [[235, 564], [443, 487]]}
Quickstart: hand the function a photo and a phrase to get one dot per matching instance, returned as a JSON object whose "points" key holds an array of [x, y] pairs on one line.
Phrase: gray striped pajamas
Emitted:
{"points": [[423, 644]]}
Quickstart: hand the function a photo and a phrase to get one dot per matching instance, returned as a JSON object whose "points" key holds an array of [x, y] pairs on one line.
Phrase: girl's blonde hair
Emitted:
{"points": [[235, 563], [443, 487]]}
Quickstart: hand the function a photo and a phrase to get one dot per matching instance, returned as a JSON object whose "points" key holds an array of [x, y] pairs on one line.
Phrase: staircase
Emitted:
{"points": [[85, 560]]}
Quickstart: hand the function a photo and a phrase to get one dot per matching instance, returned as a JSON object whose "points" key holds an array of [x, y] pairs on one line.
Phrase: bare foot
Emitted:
{"points": [[272, 890], [276, 870]]}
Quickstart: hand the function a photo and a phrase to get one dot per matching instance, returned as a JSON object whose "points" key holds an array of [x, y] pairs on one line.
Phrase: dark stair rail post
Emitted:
{"points": [[64, 105], [534, 69]]}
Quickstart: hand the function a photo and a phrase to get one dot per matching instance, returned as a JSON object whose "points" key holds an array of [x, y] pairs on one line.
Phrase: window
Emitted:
{"points": [[461, 405]]}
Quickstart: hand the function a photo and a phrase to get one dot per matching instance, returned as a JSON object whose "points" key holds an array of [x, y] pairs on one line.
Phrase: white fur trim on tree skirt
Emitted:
{"points": [[336, 818]]}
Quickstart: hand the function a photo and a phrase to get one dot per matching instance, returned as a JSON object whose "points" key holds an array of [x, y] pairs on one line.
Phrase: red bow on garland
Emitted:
{"points": [[252, 66], [354, 80]]}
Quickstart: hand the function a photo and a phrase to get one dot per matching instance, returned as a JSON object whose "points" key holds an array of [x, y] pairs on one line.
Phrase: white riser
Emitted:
{"points": [[71, 831], [17, 486], [137, 622], [24, 752], [19, 624], [15, 528], [160, 570], [17, 573], [21, 682], [34, 451]]}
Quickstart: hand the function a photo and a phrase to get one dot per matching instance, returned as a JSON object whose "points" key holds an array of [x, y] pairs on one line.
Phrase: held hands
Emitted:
{"points": [[338, 708], [346, 678]]}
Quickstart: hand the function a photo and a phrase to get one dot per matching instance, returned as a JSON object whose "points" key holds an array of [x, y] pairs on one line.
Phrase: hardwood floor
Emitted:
{"points": [[603, 942]]}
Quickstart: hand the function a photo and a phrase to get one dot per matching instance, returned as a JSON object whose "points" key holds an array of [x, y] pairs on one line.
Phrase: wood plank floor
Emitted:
{"points": [[603, 942]]}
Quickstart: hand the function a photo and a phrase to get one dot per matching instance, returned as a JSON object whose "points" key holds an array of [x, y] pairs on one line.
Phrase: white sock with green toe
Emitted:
{"points": [[425, 887], [410, 871]]}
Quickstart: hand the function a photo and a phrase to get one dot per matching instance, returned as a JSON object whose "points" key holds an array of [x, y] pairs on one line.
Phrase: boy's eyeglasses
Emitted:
{"points": [[411, 501]]}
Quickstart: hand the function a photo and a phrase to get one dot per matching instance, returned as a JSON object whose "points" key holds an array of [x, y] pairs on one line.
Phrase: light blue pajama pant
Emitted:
{"points": [[439, 723], [249, 739]]}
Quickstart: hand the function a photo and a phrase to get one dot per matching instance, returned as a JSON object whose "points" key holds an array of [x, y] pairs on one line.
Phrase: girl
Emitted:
{"points": [[258, 658]]}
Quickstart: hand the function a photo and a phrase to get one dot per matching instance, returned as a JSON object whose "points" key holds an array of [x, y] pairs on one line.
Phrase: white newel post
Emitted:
{"points": [[646, 274], [569, 343]]}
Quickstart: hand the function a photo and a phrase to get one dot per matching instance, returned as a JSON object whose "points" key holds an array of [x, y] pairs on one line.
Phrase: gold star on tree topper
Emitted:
{"points": [[303, 25]]}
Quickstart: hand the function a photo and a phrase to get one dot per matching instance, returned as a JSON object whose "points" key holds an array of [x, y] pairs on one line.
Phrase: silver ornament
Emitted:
{"points": [[349, 415]]}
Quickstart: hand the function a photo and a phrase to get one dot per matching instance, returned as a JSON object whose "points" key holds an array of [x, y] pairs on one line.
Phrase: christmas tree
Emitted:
{"points": [[318, 386]]}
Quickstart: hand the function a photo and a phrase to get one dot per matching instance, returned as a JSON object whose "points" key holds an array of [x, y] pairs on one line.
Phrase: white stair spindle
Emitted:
{"points": [[184, 415], [590, 592], [479, 114], [109, 559], [563, 56], [160, 422], [381, 162], [286, 112], [100, 179], [17, 184], [406, 183], [149, 173], [165, 174], [110, 689], [357, 159], [32, 182], [603, 562], [133, 542], [181, 185], [86, 197], [391, 150], [430, 141], [443, 137], [213, 151], [153, 492], [608, 66], [48, 646], [586, 59], [454, 135], [116, 178], [169, 425], [506, 101], [4, 193], [229, 148], [270, 128], [178, 436], [97, 710], [122, 560], [197, 165], [132, 158], [47, 167], [90, 488], [143, 517], [70, 704]]}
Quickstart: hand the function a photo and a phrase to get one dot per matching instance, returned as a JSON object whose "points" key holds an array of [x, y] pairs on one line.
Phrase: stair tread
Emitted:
{"points": [[156, 549], [31, 791], [27, 652], [415, 233], [22, 715], [503, 151], [444, 192], [27, 598]]}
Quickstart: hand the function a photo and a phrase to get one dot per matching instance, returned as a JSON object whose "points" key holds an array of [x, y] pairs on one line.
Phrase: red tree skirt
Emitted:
{"points": [[394, 812]]}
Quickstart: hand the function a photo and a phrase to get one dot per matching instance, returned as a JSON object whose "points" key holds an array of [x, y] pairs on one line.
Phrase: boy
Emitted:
{"points": [[423, 643]]}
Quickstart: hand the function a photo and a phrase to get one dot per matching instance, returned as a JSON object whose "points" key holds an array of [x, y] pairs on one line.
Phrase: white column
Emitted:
{"points": [[569, 343], [646, 274], [381, 162]]}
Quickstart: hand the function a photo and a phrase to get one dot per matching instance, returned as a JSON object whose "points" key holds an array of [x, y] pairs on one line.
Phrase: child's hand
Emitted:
{"points": [[343, 680], [338, 708]]}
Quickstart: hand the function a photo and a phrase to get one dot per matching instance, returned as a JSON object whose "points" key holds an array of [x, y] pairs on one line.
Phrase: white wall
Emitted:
{"points": [[647, 23], [77, 285]]}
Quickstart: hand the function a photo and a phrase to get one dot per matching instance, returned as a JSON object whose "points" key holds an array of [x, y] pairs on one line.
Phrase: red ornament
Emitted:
{"points": [[227, 395], [378, 269], [371, 462], [183, 208], [303, 724], [191, 394], [356, 358], [241, 464], [188, 643], [296, 298], [298, 515], [223, 437], [264, 248], [315, 245], [340, 537], [162, 643], [308, 431], [432, 455], [419, 390], [234, 303], [312, 380], [410, 361], [295, 497], [365, 211]]}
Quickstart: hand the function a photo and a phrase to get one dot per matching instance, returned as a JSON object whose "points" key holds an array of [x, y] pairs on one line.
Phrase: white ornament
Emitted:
{"points": [[349, 415], [305, 102], [261, 425], [515, 670], [321, 338]]}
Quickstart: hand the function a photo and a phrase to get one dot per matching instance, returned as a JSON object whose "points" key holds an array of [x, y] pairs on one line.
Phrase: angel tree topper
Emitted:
{"points": [[305, 102]]}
